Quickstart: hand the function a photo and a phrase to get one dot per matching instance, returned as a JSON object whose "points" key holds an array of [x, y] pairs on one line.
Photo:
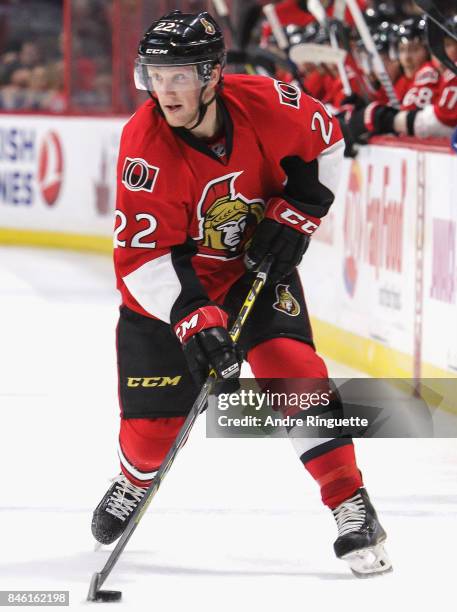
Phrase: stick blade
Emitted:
{"points": [[316, 54], [97, 595], [94, 587]]}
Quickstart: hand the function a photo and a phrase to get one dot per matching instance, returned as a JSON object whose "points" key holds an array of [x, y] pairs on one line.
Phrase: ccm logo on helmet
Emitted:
{"points": [[138, 175], [157, 51], [294, 218]]}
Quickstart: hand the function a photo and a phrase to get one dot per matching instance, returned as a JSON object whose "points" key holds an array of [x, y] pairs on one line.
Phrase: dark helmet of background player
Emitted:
{"points": [[384, 11], [442, 41], [385, 36], [411, 44], [451, 25], [301, 34], [410, 29], [182, 39]]}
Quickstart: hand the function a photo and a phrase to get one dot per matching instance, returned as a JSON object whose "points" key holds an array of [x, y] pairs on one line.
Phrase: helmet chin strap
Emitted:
{"points": [[202, 108]]}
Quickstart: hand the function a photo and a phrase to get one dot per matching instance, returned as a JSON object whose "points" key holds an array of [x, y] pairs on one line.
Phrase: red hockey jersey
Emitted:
{"points": [[187, 209], [421, 90], [446, 103]]}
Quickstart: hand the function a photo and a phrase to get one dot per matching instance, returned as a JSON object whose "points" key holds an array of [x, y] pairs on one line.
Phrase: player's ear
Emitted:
{"points": [[215, 75]]}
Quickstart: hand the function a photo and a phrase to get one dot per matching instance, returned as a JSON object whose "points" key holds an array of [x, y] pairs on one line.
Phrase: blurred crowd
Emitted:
{"points": [[28, 81], [31, 69], [34, 75], [42, 70]]}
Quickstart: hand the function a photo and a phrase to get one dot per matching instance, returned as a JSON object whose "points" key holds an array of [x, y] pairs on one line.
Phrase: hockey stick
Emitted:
{"points": [[258, 58], [98, 578], [316, 8], [435, 39], [223, 14], [316, 54], [338, 10], [429, 7], [368, 41], [335, 30], [283, 43]]}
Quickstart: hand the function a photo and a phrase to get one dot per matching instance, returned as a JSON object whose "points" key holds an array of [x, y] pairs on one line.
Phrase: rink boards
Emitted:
{"points": [[386, 263], [380, 276]]}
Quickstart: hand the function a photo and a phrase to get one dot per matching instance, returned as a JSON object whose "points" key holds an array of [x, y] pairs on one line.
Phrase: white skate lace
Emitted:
{"points": [[119, 505], [350, 515]]}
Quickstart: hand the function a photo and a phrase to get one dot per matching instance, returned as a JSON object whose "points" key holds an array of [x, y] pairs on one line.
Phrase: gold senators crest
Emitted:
{"points": [[286, 302], [227, 219]]}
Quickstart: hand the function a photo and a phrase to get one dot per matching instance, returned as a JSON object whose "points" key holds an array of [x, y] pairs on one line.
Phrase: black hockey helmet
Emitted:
{"points": [[436, 35], [301, 34], [451, 27], [383, 11], [322, 36], [186, 40], [183, 38], [412, 29], [180, 39], [385, 37]]}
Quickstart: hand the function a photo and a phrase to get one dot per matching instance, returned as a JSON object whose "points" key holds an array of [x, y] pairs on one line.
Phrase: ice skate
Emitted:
{"points": [[361, 536], [113, 513]]}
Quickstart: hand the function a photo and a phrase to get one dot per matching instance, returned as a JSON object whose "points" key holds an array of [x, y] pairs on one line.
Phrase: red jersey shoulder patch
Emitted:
{"points": [[426, 75], [138, 175]]}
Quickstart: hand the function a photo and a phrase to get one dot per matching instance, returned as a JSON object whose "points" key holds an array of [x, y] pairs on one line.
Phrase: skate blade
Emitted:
{"points": [[369, 562]]}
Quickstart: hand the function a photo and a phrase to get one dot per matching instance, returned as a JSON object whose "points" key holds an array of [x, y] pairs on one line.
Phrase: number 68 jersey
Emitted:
{"points": [[187, 208]]}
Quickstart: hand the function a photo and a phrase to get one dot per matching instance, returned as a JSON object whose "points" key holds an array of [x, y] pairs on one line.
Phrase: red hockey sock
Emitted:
{"points": [[330, 462], [336, 473], [286, 358], [143, 445]]}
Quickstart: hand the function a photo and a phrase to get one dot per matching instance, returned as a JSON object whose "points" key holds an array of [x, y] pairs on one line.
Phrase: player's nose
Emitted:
{"points": [[167, 88]]}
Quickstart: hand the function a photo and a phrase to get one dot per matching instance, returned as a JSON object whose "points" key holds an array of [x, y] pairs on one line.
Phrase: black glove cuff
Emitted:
{"points": [[410, 118], [384, 120]]}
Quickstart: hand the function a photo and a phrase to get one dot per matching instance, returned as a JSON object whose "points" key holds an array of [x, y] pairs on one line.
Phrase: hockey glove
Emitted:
{"points": [[207, 344], [348, 107], [287, 245], [290, 221], [374, 119], [285, 233]]}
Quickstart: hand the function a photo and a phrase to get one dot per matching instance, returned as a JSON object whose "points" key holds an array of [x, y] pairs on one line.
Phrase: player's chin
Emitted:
{"points": [[176, 116]]}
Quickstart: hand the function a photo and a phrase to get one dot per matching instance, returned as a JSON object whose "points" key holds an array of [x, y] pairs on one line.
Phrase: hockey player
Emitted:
{"points": [[416, 88], [437, 117], [419, 84], [213, 174]]}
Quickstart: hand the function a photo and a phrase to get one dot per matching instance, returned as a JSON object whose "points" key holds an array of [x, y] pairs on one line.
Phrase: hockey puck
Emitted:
{"points": [[108, 596]]}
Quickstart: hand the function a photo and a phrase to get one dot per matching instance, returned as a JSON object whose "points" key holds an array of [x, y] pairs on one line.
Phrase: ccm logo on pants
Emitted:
{"points": [[153, 381]]}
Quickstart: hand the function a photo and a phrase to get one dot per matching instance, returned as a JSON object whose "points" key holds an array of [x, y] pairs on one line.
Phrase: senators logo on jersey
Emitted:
{"points": [[288, 94], [138, 175], [227, 219], [286, 302]]}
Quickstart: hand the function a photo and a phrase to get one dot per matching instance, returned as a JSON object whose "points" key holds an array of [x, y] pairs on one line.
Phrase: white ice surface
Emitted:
{"points": [[238, 525]]}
